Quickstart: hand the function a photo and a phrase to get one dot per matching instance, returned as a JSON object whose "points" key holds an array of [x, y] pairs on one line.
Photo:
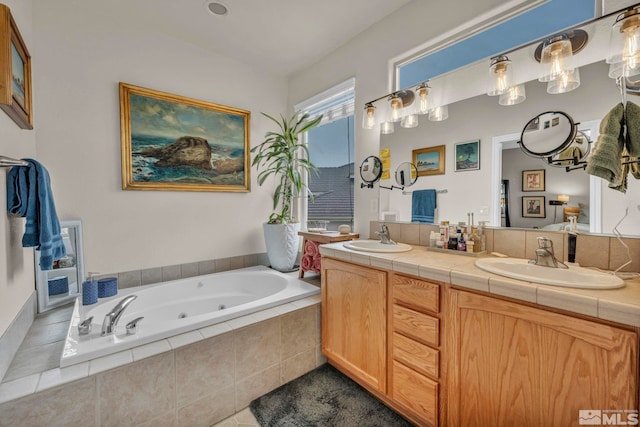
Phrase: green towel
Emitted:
{"points": [[605, 161], [569, 155], [632, 117]]}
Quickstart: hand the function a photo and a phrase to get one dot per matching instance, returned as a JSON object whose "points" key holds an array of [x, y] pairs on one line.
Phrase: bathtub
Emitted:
{"points": [[178, 306]]}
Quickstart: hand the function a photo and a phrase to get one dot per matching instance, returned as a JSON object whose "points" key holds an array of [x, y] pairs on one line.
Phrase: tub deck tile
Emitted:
{"points": [[215, 330], [150, 349], [18, 388], [185, 339], [110, 361], [58, 376], [286, 308], [241, 322]]}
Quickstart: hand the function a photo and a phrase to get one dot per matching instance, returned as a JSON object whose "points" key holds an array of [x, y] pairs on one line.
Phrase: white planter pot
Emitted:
{"points": [[282, 243]]}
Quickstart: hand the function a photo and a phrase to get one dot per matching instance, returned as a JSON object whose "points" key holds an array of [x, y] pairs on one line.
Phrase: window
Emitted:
{"points": [[331, 150]]}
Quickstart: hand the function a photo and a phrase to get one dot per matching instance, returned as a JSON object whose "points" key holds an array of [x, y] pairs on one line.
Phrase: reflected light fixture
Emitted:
{"points": [[422, 97], [409, 120], [514, 95], [556, 55], [563, 198], [387, 128], [439, 114], [395, 108], [369, 117], [500, 74], [624, 44]]}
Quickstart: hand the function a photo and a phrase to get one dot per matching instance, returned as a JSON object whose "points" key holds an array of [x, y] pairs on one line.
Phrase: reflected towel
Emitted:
{"points": [[423, 206], [605, 161], [29, 195], [632, 117]]}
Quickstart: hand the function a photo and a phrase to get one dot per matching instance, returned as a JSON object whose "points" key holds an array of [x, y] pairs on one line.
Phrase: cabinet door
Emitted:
{"points": [[354, 320], [516, 365]]}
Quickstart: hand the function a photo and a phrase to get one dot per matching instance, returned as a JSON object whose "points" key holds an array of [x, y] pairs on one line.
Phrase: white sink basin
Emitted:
{"points": [[573, 277], [375, 246]]}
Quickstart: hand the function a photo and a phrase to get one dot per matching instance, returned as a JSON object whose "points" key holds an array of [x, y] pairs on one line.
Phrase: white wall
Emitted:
{"points": [[82, 54], [16, 263]]}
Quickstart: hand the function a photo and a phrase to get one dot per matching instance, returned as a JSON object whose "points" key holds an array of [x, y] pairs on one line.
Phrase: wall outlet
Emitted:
{"points": [[484, 210]]}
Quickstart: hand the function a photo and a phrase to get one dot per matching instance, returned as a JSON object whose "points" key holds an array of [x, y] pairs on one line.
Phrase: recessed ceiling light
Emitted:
{"points": [[216, 8]]}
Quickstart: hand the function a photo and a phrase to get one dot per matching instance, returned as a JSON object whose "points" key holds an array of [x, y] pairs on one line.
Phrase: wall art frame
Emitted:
{"points": [[533, 207], [174, 143], [15, 72], [467, 156], [533, 180], [430, 160]]}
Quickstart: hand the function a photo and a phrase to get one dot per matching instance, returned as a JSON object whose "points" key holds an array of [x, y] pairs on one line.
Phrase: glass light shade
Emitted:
{"points": [[566, 82], [515, 95], [624, 43], [422, 99], [395, 108], [386, 128], [409, 121], [500, 75], [556, 58], [369, 117], [563, 198], [439, 114]]}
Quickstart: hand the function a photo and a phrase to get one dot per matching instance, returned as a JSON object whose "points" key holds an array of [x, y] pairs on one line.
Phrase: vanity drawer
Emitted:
{"points": [[416, 325], [421, 295], [416, 392], [415, 355]]}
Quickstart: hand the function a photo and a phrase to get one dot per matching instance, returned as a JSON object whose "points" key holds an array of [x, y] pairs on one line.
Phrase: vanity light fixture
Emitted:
{"points": [[369, 117], [387, 128], [395, 108], [563, 198], [556, 55], [439, 113], [514, 95], [500, 74], [624, 44], [422, 95]]}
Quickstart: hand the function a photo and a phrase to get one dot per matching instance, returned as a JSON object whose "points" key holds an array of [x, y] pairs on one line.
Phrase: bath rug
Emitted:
{"points": [[323, 397]]}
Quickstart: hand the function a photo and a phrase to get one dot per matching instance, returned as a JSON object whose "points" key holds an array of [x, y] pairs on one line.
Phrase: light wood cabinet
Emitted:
{"points": [[512, 364], [354, 319]]}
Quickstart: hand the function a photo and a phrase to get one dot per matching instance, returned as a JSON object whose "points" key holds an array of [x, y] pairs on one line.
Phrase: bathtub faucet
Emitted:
{"points": [[111, 318]]}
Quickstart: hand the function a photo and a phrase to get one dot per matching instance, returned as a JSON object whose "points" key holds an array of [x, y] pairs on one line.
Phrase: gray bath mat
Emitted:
{"points": [[323, 397]]}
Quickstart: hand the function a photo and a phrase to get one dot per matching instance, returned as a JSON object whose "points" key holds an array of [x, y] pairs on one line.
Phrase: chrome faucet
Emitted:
{"points": [[545, 256], [384, 235], [111, 318]]}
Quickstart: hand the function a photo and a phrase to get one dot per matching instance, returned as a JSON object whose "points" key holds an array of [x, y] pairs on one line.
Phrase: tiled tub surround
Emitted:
{"points": [[197, 378], [169, 308], [601, 251], [617, 305]]}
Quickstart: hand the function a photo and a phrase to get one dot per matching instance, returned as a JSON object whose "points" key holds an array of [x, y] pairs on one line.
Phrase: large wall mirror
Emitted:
{"points": [[480, 117]]}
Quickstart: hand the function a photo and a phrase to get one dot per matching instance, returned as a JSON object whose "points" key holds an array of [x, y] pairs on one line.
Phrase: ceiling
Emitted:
{"points": [[279, 36]]}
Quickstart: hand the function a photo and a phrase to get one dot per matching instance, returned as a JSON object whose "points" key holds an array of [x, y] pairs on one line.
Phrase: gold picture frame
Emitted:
{"points": [[15, 72], [174, 143], [430, 160]]}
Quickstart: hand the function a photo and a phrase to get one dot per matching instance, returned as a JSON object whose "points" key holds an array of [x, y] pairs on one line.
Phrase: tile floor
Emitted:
{"points": [[243, 418]]}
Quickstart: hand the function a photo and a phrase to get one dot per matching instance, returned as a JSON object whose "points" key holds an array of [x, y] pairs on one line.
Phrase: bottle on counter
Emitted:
{"points": [[462, 243]]}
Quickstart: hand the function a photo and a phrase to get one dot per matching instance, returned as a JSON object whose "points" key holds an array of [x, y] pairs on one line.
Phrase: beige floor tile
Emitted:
{"points": [[246, 417]]}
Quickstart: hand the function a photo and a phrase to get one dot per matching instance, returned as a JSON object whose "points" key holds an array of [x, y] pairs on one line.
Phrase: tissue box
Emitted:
{"points": [[107, 287], [58, 285]]}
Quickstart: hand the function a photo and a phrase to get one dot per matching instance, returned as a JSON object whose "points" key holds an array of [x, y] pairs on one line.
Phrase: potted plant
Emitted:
{"points": [[284, 158]]}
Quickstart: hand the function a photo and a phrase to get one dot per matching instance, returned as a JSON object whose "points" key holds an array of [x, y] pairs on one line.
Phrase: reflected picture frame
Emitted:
{"points": [[174, 143], [430, 160], [15, 72], [533, 180], [533, 207], [467, 156]]}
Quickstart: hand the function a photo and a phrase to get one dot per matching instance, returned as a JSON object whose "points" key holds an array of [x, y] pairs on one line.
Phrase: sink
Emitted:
{"points": [[573, 277], [375, 246]]}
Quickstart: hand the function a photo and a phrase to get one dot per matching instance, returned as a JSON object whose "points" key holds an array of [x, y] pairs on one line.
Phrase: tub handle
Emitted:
{"points": [[132, 327], [84, 327]]}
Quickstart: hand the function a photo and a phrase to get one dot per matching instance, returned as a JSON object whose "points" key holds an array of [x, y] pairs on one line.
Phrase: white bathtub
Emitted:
{"points": [[179, 306]]}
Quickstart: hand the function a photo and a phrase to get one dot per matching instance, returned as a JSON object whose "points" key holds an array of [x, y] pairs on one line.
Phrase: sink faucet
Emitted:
{"points": [[111, 318], [384, 235], [545, 256]]}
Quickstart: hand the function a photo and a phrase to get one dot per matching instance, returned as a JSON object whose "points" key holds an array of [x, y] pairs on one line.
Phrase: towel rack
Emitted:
{"points": [[437, 191], [7, 162]]}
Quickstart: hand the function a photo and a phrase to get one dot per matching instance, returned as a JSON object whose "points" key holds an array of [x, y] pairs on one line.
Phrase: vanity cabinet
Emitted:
{"points": [[511, 364], [354, 318], [414, 369]]}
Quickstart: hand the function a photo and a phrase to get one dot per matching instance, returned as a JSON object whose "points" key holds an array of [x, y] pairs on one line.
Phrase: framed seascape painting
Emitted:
{"points": [[429, 161], [467, 156], [15, 72], [171, 142], [533, 207]]}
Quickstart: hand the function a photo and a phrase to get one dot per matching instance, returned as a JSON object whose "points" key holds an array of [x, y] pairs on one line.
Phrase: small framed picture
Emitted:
{"points": [[533, 180], [533, 207], [430, 161], [467, 156]]}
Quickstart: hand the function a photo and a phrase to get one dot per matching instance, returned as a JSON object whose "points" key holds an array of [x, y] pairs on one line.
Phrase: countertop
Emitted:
{"points": [[617, 305]]}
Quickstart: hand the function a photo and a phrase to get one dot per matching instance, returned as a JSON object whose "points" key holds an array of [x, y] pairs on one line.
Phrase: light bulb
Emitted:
{"points": [[369, 118], [557, 57], [500, 74], [515, 95], [422, 103], [565, 82], [395, 108], [631, 51]]}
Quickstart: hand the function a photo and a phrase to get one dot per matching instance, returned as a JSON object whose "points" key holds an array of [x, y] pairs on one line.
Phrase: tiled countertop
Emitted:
{"points": [[617, 305]]}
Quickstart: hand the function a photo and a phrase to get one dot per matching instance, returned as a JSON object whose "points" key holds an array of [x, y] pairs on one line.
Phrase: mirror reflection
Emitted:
{"points": [[547, 134], [406, 174], [370, 171]]}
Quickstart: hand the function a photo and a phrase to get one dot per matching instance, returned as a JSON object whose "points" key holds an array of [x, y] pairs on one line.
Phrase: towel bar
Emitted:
{"points": [[437, 192], [7, 162]]}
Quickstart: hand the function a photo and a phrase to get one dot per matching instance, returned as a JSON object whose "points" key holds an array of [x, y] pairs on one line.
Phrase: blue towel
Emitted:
{"points": [[29, 195], [423, 206]]}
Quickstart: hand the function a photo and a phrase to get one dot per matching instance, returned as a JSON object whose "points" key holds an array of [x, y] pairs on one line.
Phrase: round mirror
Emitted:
{"points": [[371, 170], [547, 134], [406, 174], [576, 152]]}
